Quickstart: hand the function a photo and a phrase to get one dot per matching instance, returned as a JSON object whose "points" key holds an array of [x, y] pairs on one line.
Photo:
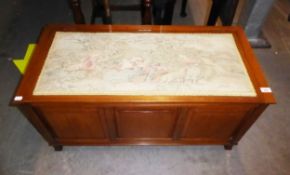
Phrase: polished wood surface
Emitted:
{"points": [[213, 121], [63, 121], [145, 122], [141, 120]]}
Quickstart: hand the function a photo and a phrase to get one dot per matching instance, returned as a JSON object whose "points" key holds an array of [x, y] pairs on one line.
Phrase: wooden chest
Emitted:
{"points": [[142, 85]]}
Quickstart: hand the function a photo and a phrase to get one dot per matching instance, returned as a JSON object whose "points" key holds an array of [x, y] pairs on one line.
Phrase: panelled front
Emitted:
{"points": [[74, 122], [142, 123], [213, 123], [198, 123]]}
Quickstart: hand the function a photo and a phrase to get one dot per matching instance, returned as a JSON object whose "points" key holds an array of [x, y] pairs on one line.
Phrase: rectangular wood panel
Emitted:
{"points": [[74, 122], [213, 121], [145, 123]]}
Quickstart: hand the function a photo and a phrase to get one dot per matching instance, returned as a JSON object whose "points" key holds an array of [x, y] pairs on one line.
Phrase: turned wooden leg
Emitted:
{"points": [[58, 147], [228, 146], [77, 11], [183, 8]]}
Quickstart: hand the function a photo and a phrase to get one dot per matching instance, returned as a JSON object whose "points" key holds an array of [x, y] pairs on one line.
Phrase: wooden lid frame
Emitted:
{"points": [[24, 93]]}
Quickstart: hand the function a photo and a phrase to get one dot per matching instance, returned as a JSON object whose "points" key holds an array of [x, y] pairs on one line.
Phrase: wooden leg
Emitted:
{"points": [[157, 15], [107, 19], [168, 14], [146, 12], [58, 147], [94, 11], [228, 12], [102, 10], [214, 12], [228, 146], [183, 8], [77, 11], [225, 9]]}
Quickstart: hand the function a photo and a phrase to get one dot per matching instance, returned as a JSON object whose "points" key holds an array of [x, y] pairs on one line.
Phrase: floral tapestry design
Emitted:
{"points": [[144, 64]]}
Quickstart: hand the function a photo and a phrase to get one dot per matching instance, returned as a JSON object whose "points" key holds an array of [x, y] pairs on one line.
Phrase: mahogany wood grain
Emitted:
{"points": [[74, 122], [213, 121], [145, 122]]}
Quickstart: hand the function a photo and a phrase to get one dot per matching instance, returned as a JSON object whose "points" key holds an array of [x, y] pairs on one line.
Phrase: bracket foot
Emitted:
{"points": [[58, 147]]}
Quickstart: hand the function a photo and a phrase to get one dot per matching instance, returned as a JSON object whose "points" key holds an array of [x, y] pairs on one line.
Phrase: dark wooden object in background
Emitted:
{"points": [[103, 8], [168, 12], [146, 12], [183, 8], [225, 9], [75, 5], [162, 11], [141, 120]]}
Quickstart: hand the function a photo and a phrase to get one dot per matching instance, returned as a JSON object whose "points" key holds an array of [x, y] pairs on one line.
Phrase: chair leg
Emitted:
{"points": [[229, 11], [77, 11], [146, 11], [225, 9], [99, 11], [107, 19], [168, 13], [183, 8], [214, 12], [157, 14], [94, 11]]}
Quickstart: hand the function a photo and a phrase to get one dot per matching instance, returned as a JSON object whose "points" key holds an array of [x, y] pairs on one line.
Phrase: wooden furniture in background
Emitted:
{"points": [[103, 9], [78, 15], [152, 12], [83, 119], [163, 11]]}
